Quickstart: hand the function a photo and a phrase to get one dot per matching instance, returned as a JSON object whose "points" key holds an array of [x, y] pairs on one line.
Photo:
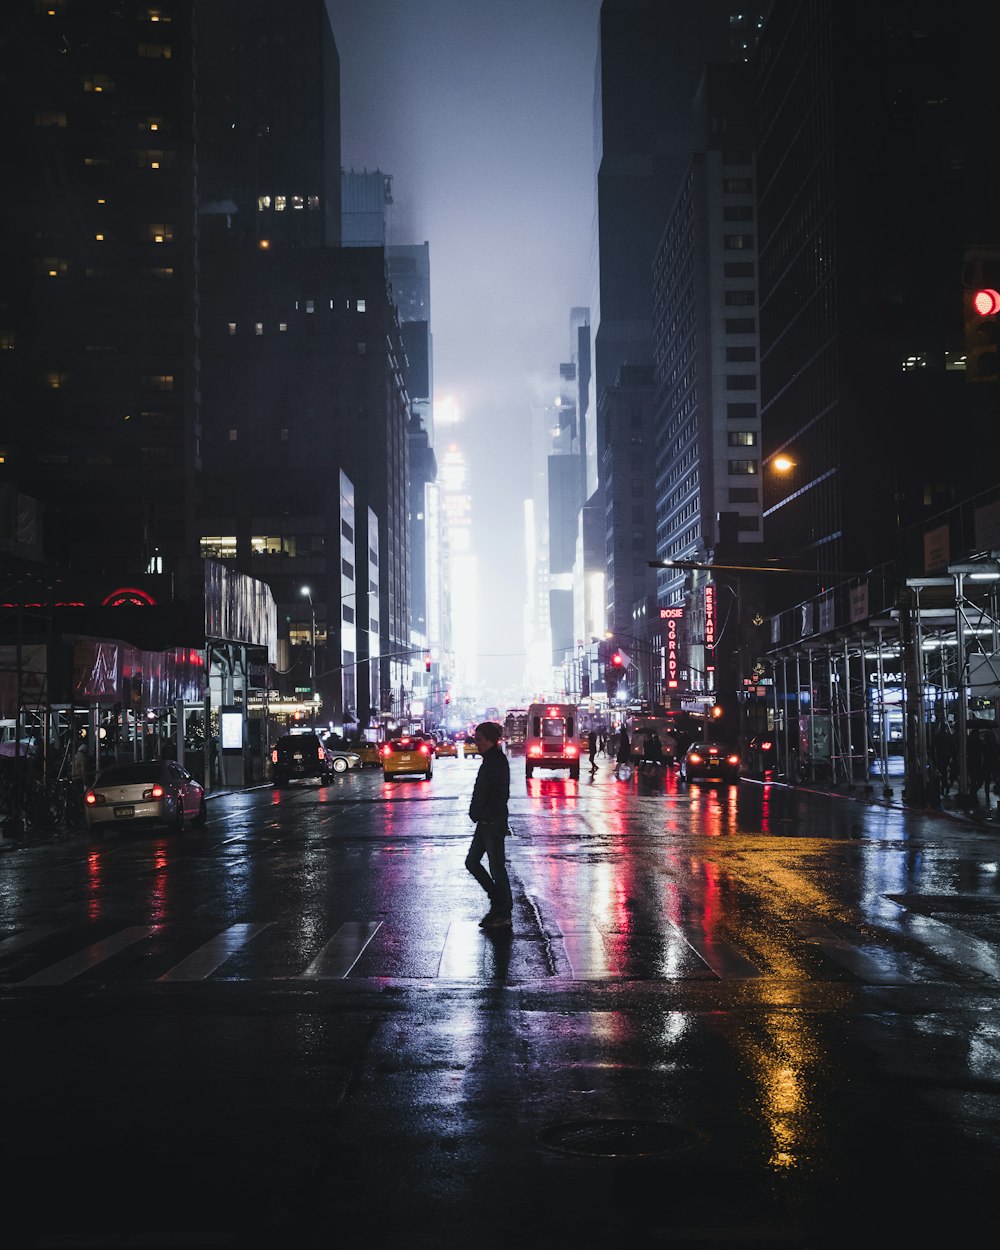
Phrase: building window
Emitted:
{"points": [[743, 466], [313, 201], [739, 298], [52, 266], [743, 494], [737, 241], [298, 202], [740, 325], [361, 305], [158, 272], [156, 232], [151, 123], [282, 327], [310, 306], [738, 354], [232, 327], [748, 523], [263, 201], [283, 434], [98, 83], [159, 381], [218, 547], [158, 15], [280, 203], [233, 435], [741, 382], [741, 438], [56, 379], [362, 348], [51, 118], [737, 186], [153, 158], [155, 51], [258, 327], [738, 269], [741, 412]]}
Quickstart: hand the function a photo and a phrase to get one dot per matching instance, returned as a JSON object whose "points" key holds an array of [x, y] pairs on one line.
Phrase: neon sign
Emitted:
{"points": [[671, 659], [710, 617]]}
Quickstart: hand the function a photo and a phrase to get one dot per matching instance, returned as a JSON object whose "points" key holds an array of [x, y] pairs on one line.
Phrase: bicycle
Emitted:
{"points": [[43, 805]]}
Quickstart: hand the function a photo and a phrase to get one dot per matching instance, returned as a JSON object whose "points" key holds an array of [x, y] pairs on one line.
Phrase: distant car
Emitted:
{"points": [[447, 747], [150, 792], [709, 761], [402, 756], [302, 755], [370, 753], [469, 747]]}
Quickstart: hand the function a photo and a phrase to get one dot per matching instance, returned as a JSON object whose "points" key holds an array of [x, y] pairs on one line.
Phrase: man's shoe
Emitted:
{"points": [[496, 920], [487, 919]]}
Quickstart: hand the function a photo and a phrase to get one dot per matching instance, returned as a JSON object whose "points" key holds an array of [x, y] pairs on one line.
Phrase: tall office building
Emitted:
{"points": [[270, 133], [99, 308], [651, 56], [877, 167], [304, 378]]}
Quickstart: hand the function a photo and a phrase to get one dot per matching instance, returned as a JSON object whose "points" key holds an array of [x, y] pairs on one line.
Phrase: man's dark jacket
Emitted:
{"points": [[492, 788]]}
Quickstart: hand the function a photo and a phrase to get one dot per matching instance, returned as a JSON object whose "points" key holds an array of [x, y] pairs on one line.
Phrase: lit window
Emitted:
{"points": [[155, 51], [232, 327], [954, 362], [51, 118], [280, 202], [159, 381], [742, 438], [362, 348], [331, 303], [157, 233], [158, 15], [282, 326], [6, 341], [154, 158], [98, 83], [313, 201], [258, 327], [298, 202], [218, 547], [233, 434], [55, 379], [99, 238], [151, 123], [53, 266], [263, 201], [264, 244], [743, 466], [283, 434], [309, 306], [361, 305], [914, 362]]}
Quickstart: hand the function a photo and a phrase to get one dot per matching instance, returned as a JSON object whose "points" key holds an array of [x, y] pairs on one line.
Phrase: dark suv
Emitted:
{"points": [[299, 755]]}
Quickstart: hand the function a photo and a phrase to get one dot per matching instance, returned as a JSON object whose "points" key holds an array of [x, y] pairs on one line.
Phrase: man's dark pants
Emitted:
{"points": [[488, 840]]}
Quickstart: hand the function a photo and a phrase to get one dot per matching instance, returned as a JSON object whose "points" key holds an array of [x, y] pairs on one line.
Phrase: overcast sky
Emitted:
{"points": [[481, 110]]}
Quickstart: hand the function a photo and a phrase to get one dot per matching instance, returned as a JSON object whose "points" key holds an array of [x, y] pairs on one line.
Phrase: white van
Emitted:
{"points": [[551, 738]]}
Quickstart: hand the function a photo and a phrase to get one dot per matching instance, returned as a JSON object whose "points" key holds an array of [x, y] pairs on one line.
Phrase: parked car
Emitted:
{"points": [[401, 756], [370, 753], [447, 747], [709, 761], [153, 792], [303, 755]]}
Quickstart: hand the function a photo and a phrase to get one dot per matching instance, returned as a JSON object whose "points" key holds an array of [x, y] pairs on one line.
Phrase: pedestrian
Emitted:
{"points": [[654, 750], [974, 763], [943, 747], [592, 749], [602, 740], [990, 762], [623, 754], [488, 809]]}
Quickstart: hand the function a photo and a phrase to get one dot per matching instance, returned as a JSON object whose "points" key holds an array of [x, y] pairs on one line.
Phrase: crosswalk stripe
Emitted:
{"points": [[28, 937], [462, 954], [204, 961], [342, 952], [90, 956], [587, 955], [875, 968]]}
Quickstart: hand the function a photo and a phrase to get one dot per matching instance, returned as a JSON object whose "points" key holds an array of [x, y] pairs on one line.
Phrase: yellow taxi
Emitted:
{"points": [[406, 756], [447, 746], [469, 747]]}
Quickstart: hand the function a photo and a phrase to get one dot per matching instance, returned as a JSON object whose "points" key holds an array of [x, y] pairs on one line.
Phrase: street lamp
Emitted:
{"points": [[312, 653]]}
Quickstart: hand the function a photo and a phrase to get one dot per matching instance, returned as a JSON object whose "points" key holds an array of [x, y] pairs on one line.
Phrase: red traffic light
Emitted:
{"points": [[986, 302], [617, 660], [427, 662]]}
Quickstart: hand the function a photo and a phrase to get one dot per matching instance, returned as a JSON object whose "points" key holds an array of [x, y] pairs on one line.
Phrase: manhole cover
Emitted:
{"points": [[615, 1138]]}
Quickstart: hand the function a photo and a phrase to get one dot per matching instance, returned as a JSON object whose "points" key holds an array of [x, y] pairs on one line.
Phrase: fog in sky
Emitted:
{"points": [[481, 110]]}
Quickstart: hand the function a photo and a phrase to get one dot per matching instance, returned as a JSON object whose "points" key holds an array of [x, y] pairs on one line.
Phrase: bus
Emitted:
{"points": [[515, 723], [674, 728], [552, 739]]}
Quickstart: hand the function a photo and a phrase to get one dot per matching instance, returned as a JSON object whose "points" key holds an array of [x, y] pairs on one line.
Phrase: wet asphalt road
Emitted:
{"points": [[725, 1017]]}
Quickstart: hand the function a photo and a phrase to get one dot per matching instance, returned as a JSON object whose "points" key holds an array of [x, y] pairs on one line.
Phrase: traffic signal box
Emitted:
{"points": [[981, 310]]}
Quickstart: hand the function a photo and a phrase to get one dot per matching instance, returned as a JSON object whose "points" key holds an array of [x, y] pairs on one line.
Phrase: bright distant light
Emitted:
{"points": [[783, 463]]}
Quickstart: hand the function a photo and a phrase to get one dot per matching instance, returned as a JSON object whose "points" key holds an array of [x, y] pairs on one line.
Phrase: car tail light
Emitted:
{"points": [[424, 749], [387, 750], [90, 798], [732, 759], [571, 752], [536, 750], [694, 758], [155, 793], [274, 756]]}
